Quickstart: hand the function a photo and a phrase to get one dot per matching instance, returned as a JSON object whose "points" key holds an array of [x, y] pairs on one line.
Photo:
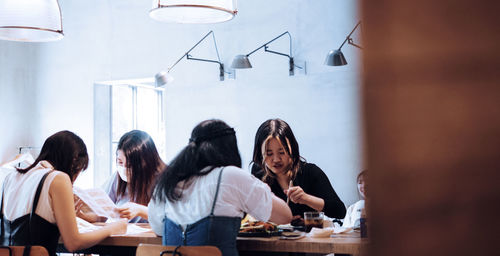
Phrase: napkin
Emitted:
{"points": [[321, 232], [342, 230]]}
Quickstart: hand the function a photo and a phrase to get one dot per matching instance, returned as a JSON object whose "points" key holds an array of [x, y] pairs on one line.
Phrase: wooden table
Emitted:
{"points": [[344, 243]]}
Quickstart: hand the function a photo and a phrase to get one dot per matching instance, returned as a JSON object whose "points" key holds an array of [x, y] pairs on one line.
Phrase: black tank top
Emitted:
{"points": [[29, 229]]}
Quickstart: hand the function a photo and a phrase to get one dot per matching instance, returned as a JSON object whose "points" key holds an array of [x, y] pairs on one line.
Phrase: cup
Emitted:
{"points": [[313, 219]]}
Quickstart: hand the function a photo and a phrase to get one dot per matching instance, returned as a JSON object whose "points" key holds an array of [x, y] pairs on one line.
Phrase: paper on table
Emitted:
{"points": [[84, 226], [98, 201], [132, 229]]}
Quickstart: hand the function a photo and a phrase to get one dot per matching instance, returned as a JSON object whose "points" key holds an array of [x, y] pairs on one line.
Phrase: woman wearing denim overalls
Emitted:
{"points": [[202, 195]]}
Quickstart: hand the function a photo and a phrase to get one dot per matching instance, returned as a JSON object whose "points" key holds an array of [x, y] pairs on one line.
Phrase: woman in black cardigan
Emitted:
{"points": [[276, 160]]}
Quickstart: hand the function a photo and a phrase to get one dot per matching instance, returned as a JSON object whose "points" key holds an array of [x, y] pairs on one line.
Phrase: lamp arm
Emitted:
{"points": [[187, 53], [264, 45], [279, 53], [348, 38], [191, 58], [351, 42]]}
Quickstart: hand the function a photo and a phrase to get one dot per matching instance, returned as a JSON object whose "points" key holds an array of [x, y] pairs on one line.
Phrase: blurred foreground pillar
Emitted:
{"points": [[431, 95]]}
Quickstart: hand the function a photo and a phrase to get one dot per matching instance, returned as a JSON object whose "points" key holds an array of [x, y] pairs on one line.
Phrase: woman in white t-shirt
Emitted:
{"points": [[45, 190], [202, 195], [354, 211]]}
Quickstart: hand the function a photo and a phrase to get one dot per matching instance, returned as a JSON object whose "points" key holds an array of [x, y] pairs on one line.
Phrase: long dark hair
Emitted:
{"points": [[65, 151], [212, 144], [143, 165], [280, 130]]}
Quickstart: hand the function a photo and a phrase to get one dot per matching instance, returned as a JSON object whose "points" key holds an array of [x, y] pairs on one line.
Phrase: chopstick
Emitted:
{"points": [[289, 185]]}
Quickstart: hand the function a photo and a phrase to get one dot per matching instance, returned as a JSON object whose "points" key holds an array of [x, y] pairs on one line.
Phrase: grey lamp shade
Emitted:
{"points": [[335, 58], [163, 78], [241, 61]]}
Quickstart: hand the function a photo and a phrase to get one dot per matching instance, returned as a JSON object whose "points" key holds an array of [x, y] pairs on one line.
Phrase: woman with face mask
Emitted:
{"points": [[276, 160], [138, 165]]}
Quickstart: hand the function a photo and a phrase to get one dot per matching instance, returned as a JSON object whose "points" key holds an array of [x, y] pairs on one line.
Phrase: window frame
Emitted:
{"points": [[103, 122]]}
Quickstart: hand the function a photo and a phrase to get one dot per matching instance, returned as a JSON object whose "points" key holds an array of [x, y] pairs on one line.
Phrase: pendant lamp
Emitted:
{"points": [[30, 20], [193, 11]]}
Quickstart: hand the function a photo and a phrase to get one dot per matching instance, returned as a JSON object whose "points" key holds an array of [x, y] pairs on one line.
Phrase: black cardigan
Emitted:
{"points": [[314, 182]]}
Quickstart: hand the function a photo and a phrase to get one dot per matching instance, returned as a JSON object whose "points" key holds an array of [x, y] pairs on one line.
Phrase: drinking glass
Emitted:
{"points": [[313, 219]]}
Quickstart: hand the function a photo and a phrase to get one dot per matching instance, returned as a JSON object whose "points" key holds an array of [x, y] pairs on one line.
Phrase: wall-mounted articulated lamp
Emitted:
{"points": [[193, 11], [336, 57], [163, 77], [30, 20], [242, 61]]}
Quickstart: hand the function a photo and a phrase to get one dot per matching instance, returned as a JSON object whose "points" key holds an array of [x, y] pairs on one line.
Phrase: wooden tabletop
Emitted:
{"points": [[348, 244], [343, 243]]}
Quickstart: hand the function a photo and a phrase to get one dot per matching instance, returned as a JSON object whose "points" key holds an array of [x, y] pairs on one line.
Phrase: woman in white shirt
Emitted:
{"points": [[43, 193], [354, 211], [203, 193]]}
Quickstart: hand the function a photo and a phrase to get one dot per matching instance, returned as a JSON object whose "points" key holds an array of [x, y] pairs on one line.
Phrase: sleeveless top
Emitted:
{"points": [[20, 192], [219, 231], [30, 229]]}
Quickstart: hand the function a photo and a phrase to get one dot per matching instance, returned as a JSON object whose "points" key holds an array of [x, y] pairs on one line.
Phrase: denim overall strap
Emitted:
{"points": [[216, 192], [220, 231]]}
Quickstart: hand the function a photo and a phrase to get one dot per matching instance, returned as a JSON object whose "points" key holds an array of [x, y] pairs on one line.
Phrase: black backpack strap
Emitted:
{"points": [[216, 192], [37, 194], [1, 209], [33, 209], [27, 250]]}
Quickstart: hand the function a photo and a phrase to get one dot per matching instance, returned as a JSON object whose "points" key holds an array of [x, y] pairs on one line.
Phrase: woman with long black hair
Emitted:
{"points": [[277, 161], [202, 195], [138, 167]]}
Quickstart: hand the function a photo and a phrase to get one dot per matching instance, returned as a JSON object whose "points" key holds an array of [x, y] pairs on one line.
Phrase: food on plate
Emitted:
{"points": [[258, 227], [297, 221]]}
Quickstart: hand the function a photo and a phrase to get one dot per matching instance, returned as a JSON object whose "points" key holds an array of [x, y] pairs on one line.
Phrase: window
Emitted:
{"points": [[119, 107]]}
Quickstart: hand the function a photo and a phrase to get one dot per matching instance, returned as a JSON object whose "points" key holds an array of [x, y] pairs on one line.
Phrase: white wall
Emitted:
{"points": [[111, 40], [17, 98]]}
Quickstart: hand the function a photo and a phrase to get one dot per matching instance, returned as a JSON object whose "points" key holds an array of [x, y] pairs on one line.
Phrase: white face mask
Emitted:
{"points": [[122, 171]]}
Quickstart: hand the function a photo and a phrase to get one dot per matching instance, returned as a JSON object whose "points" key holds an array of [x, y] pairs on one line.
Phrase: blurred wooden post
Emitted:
{"points": [[431, 95]]}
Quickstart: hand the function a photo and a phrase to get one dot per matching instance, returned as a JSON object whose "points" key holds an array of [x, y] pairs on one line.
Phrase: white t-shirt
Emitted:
{"points": [[353, 214], [238, 192], [20, 192]]}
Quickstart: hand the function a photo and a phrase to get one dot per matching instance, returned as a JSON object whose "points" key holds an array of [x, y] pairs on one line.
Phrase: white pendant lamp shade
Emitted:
{"points": [[193, 11], [30, 20]]}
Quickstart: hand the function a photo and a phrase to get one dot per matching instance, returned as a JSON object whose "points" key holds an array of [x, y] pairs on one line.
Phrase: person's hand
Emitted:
{"points": [[117, 227], [296, 194], [83, 211], [130, 210]]}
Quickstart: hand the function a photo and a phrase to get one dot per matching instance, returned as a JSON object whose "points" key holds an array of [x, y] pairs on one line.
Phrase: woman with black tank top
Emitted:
{"points": [[42, 194]]}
